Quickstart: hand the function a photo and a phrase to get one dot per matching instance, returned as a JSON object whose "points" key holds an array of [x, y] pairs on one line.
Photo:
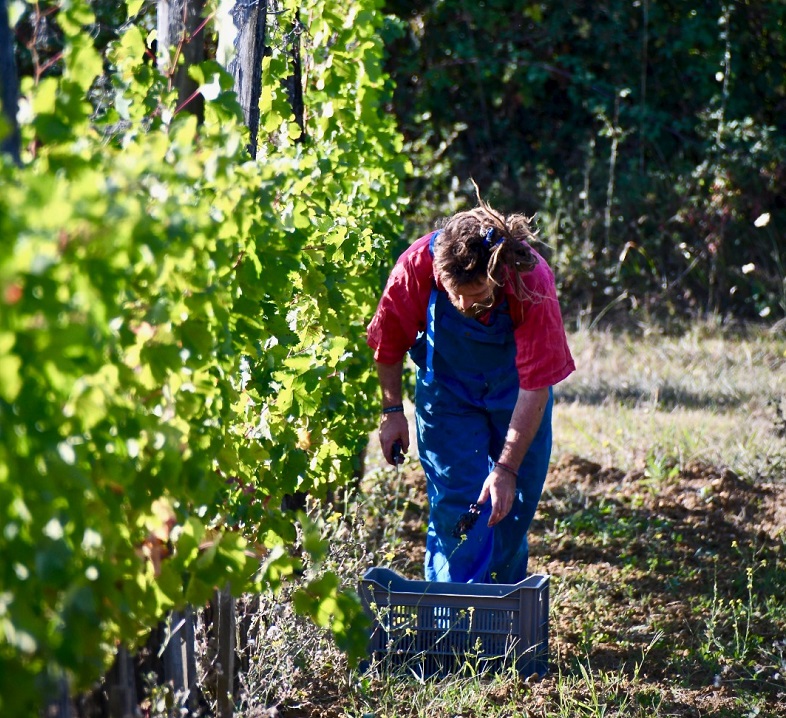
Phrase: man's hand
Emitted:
{"points": [[501, 487], [392, 428]]}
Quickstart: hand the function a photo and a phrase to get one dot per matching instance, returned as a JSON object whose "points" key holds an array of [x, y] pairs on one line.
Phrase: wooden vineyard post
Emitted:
{"points": [[180, 657], [59, 706], [224, 624], [121, 686], [246, 66], [9, 87], [179, 25]]}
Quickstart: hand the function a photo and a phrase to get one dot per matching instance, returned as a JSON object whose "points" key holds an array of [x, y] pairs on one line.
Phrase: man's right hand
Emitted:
{"points": [[392, 428]]}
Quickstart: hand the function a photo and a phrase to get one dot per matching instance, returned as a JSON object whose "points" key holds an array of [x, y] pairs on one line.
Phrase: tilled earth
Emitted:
{"points": [[688, 568]]}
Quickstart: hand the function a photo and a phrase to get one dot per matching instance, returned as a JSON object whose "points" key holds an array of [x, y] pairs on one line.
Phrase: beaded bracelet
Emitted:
{"points": [[393, 409], [507, 468]]}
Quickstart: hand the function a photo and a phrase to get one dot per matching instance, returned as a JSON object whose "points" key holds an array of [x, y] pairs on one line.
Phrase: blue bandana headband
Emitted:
{"points": [[488, 240]]}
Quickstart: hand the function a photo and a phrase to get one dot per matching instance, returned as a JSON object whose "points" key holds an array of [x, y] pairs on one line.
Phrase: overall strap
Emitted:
{"points": [[431, 319], [432, 240]]}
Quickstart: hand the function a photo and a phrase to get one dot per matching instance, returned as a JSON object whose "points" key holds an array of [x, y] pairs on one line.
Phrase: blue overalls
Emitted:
{"points": [[467, 386]]}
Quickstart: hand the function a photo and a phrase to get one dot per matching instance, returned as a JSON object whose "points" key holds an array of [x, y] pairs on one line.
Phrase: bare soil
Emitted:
{"points": [[661, 554]]}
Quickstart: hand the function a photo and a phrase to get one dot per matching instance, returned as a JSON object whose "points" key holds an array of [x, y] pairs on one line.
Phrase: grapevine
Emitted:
{"points": [[181, 337]]}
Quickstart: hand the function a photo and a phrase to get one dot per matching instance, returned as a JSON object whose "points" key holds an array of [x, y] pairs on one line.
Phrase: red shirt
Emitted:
{"points": [[542, 354]]}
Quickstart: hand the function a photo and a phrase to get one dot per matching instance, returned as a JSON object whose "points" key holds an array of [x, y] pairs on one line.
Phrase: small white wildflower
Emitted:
{"points": [[67, 453], [21, 571], [53, 530], [91, 540], [132, 447]]}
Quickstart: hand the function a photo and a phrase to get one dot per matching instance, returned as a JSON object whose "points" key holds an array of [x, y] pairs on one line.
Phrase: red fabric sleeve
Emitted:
{"points": [[401, 312], [542, 354]]}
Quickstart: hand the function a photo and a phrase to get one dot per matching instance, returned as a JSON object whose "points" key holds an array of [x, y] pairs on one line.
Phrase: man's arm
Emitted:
{"points": [[500, 485], [392, 427]]}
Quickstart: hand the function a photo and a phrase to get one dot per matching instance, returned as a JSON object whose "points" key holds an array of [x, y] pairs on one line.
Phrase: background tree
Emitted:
{"points": [[648, 137]]}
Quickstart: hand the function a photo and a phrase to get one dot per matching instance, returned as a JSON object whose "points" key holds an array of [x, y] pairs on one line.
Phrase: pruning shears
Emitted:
{"points": [[398, 456]]}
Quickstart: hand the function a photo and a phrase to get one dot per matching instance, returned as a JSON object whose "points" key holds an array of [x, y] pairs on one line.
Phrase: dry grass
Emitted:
{"points": [[635, 400]]}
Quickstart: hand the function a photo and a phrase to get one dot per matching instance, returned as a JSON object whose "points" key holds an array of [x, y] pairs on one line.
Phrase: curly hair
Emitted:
{"points": [[483, 244]]}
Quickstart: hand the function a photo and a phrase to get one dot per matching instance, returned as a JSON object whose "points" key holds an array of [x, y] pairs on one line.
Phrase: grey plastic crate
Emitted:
{"points": [[436, 628]]}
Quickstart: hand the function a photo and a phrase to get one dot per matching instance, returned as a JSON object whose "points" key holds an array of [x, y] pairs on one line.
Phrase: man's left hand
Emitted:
{"points": [[500, 486]]}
